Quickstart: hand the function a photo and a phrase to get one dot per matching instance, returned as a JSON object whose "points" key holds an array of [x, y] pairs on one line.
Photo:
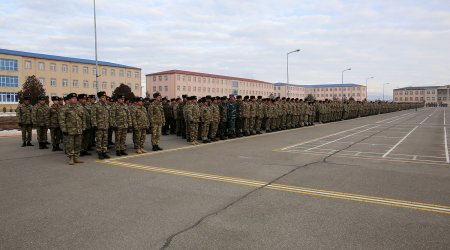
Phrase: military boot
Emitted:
{"points": [[157, 147], [44, 145], [71, 160], [138, 151], [76, 160], [154, 148], [106, 156], [24, 144], [29, 144], [143, 150], [122, 152], [118, 153], [100, 155], [53, 148], [58, 148]]}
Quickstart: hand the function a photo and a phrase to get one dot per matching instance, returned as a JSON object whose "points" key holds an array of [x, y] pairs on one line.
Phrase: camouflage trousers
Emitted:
{"points": [[120, 138], [231, 129], [178, 126], [27, 130], [41, 134], [86, 139], [311, 119], [246, 126], [205, 130], [267, 123], [213, 130], [239, 125], [193, 131], [101, 139], [222, 132], [283, 122], [156, 133], [187, 129], [258, 123], [72, 145], [251, 124], [140, 135], [55, 136]]}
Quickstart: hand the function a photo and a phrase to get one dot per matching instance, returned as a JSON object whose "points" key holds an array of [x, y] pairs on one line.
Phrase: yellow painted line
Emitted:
{"points": [[293, 189], [428, 162]]}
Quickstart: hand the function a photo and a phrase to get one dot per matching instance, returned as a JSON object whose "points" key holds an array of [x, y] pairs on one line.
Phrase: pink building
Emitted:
{"points": [[174, 83]]}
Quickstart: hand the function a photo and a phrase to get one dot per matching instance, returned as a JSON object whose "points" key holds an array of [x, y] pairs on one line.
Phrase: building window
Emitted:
{"points": [[85, 84], [41, 66], [166, 88], [235, 84], [189, 78], [189, 88], [74, 69], [160, 88], [8, 64], [9, 81], [194, 88], [178, 88], [184, 88], [199, 89], [85, 70], [64, 82], [52, 67], [204, 89], [53, 82], [154, 88], [9, 97], [136, 86], [154, 78], [121, 72], [113, 72], [160, 78], [103, 85], [136, 74], [178, 77], [95, 84], [28, 64], [42, 81], [129, 74], [104, 72], [64, 68], [75, 83], [113, 85], [94, 71], [166, 77]]}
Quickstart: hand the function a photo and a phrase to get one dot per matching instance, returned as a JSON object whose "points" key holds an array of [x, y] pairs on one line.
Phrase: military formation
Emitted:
{"points": [[81, 121]]}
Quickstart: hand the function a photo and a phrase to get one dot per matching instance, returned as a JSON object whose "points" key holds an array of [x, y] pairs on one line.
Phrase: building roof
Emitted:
{"points": [[320, 85], [205, 75], [62, 58], [419, 88]]}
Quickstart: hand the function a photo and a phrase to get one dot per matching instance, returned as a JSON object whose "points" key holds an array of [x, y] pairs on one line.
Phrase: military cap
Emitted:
{"points": [[259, 97], [217, 97], [41, 97], [223, 98], [213, 98], [101, 93], [288, 99], [71, 95], [208, 97], [173, 99], [138, 99], [156, 94], [164, 98], [246, 97], [178, 98], [201, 100], [252, 97], [91, 96], [194, 97], [54, 98], [184, 96], [239, 97], [120, 95], [81, 96]]}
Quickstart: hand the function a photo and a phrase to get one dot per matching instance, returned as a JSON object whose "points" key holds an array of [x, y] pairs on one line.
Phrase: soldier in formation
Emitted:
{"points": [[24, 113]]}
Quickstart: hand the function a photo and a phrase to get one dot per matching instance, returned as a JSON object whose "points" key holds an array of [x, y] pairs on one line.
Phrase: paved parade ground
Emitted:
{"points": [[380, 182]]}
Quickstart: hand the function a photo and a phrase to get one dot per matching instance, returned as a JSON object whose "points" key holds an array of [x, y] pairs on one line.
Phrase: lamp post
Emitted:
{"points": [[287, 69], [367, 98], [383, 90], [96, 58], [342, 88]]}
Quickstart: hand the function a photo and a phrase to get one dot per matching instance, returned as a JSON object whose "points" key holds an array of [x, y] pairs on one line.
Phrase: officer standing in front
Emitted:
{"points": [[100, 123]]}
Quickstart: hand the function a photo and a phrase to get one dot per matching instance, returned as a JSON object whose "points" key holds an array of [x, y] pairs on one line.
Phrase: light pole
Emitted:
{"points": [[367, 98], [383, 90], [342, 88], [287, 69], [96, 58]]}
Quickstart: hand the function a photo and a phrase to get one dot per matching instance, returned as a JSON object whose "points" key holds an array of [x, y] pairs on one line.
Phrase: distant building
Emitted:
{"points": [[61, 75], [174, 83], [427, 94]]}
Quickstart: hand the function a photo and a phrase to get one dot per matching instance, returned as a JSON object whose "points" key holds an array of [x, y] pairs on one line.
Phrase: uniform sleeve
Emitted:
{"points": [[112, 116], [94, 116], [62, 121], [130, 122], [33, 116], [47, 117]]}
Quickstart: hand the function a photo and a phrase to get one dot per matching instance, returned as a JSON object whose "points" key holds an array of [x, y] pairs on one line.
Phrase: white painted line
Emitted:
{"points": [[426, 118], [341, 138], [446, 145], [392, 118], [398, 143], [415, 157]]}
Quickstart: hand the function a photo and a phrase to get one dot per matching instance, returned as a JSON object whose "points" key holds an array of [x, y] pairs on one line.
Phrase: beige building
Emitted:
{"points": [[61, 75], [427, 94], [322, 91], [175, 83]]}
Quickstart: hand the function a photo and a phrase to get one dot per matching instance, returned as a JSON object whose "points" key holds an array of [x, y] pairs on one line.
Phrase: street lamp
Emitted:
{"points": [[96, 58], [342, 88], [367, 98], [287, 69], [383, 90]]}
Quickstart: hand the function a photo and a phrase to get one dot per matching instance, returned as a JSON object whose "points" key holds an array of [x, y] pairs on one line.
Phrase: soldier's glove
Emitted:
{"points": [[65, 133], [20, 124]]}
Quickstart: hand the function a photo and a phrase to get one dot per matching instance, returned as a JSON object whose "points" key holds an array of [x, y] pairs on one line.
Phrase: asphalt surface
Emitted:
{"points": [[380, 182]]}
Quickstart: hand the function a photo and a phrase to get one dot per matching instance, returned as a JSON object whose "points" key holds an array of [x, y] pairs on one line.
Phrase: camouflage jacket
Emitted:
{"points": [[156, 114], [253, 107], [71, 119], [100, 116], [191, 113], [175, 111], [231, 111], [87, 115], [205, 114], [24, 113], [120, 116], [246, 110], [54, 115], [215, 113], [139, 117], [41, 115]]}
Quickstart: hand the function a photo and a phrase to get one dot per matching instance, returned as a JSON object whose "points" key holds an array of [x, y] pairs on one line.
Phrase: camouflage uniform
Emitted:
{"points": [[24, 113], [71, 120], [41, 121], [205, 119], [215, 113], [223, 119], [157, 120], [86, 137], [259, 116], [192, 116], [246, 114], [100, 122], [55, 129], [253, 107], [140, 122], [120, 122], [239, 117]]}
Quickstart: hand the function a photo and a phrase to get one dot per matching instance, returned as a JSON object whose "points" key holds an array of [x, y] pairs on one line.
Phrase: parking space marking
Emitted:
{"points": [[446, 145], [287, 188], [399, 142]]}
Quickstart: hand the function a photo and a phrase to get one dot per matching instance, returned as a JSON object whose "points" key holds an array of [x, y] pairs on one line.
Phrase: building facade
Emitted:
{"points": [[175, 83], [427, 94], [61, 75], [322, 91]]}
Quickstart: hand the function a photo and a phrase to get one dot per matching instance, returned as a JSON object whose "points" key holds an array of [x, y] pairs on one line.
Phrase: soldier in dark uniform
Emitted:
{"points": [[239, 116], [223, 109], [85, 137], [231, 117], [167, 114], [55, 129]]}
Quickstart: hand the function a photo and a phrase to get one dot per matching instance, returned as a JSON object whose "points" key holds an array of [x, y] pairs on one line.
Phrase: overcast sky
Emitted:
{"points": [[404, 43]]}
